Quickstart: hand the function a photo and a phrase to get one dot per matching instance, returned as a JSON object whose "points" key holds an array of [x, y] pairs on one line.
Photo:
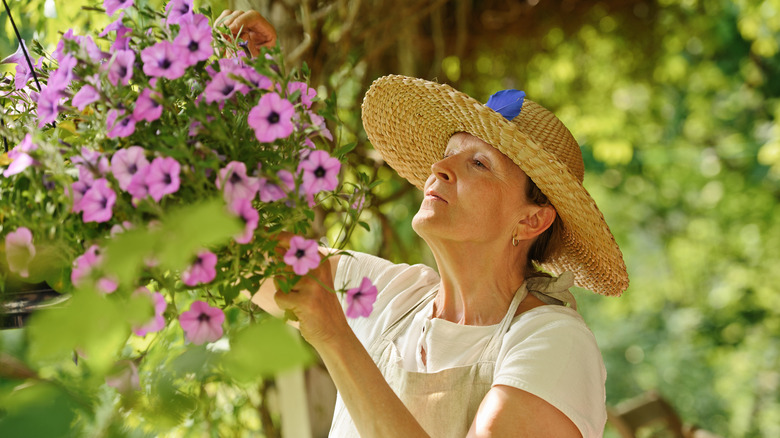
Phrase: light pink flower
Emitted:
{"points": [[194, 42], [163, 177], [242, 207], [147, 107], [85, 264], [272, 118], [203, 269], [360, 300], [202, 323], [307, 93], [126, 163], [86, 95], [20, 156], [112, 6], [61, 78], [221, 88], [303, 255], [157, 322], [97, 203], [138, 186], [19, 251], [178, 11], [49, 105], [320, 172], [119, 127], [121, 67], [77, 191], [234, 182], [270, 192], [163, 59]]}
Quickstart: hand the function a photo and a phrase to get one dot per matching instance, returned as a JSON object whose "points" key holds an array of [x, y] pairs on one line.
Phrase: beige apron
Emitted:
{"points": [[444, 403]]}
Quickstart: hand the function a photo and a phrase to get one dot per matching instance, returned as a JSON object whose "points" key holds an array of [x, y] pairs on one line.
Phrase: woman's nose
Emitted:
{"points": [[442, 170]]}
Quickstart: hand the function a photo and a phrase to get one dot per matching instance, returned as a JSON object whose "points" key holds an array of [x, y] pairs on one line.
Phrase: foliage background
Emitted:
{"points": [[676, 106]]}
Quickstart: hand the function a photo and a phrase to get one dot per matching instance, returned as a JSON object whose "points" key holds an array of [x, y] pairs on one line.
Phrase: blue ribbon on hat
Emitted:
{"points": [[508, 103]]}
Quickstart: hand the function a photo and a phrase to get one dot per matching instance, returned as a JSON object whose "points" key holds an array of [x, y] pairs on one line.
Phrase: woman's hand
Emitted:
{"points": [[257, 31]]}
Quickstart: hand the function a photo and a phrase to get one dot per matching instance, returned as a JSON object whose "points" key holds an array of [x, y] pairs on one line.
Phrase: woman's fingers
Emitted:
{"points": [[254, 28]]}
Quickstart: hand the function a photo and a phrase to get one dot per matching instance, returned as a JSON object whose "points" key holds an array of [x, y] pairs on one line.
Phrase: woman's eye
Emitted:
{"points": [[478, 163]]}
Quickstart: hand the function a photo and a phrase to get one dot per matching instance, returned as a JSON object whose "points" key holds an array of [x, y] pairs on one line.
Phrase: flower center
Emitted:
{"points": [[320, 172], [235, 178], [193, 46], [165, 63], [204, 318], [132, 169], [273, 118], [300, 253], [167, 178], [228, 89], [122, 71]]}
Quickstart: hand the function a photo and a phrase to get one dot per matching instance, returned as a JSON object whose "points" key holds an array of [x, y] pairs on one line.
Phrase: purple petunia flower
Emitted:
{"points": [[163, 59], [178, 11], [307, 93], [272, 118], [360, 300], [138, 187], [19, 251], [320, 172], [202, 270], [147, 107], [242, 207], [234, 182], [163, 177], [270, 192], [157, 322], [221, 87], [202, 323], [121, 67], [61, 78], [20, 156], [303, 255], [112, 6], [255, 78], [85, 96], [194, 43], [49, 105], [97, 203], [319, 123], [85, 264], [90, 164], [23, 72], [123, 127], [77, 191], [126, 163]]}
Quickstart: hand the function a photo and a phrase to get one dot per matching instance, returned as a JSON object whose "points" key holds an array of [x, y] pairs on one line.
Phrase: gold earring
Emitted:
{"points": [[514, 241]]}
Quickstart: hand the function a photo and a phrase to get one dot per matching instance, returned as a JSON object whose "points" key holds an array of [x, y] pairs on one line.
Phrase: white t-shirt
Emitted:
{"points": [[548, 351]]}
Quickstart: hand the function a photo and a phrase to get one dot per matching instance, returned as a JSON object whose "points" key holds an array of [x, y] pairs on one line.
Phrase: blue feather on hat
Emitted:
{"points": [[508, 103]]}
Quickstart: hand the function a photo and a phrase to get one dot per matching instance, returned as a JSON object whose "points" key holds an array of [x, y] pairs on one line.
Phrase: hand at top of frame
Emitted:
{"points": [[254, 28]]}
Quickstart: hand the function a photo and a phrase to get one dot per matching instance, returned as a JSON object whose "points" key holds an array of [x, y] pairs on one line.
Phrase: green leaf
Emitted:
{"points": [[364, 225], [344, 150], [126, 253], [25, 407], [265, 349]]}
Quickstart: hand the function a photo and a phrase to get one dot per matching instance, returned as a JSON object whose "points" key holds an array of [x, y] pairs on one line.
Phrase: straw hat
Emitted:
{"points": [[409, 121]]}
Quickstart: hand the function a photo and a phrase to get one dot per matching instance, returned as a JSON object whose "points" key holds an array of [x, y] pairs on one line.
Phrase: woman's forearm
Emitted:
{"points": [[375, 409]]}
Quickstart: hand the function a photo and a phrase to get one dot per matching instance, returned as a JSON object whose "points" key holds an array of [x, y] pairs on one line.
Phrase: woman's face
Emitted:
{"points": [[474, 194]]}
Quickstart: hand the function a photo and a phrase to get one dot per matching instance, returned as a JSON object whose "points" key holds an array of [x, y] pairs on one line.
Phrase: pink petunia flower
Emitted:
{"points": [[178, 11], [272, 118], [202, 323], [307, 93], [126, 163], [202, 270], [23, 72], [163, 59], [61, 78], [119, 127], [319, 123], [49, 107], [255, 78], [221, 88], [112, 6], [20, 156], [85, 265], [360, 300], [242, 207], [157, 322], [121, 67], [270, 192], [91, 164], [194, 42], [97, 203], [163, 177], [19, 251], [85, 96], [234, 182], [320, 172], [125, 377], [303, 255], [77, 191], [138, 187], [147, 107]]}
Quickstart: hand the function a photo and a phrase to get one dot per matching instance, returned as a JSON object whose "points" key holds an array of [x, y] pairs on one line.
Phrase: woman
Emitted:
{"points": [[489, 345]]}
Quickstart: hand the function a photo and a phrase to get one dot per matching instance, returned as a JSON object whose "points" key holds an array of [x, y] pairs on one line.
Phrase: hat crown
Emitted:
{"points": [[551, 135]]}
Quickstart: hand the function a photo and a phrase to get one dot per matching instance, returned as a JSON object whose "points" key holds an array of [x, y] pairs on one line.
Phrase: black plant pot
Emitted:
{"points": [[20, 300]]}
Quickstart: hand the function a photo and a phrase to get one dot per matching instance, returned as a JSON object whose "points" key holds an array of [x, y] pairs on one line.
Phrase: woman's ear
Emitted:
{"points": [[539, 219]]}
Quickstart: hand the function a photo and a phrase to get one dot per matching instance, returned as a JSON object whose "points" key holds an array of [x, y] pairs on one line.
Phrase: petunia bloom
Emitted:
{"points": [[163, 177], [147, 107], [194, 42], [242, 207], [119, 125], [272, 118], [121, 67], [303, 255], [126, 163], [85, 96], [138, 187], [221, 87], [163, 59], [307, 93], [320, 172], [202, 270], [234, 182], [49, 100], [178, 11], [97, 203], [19, 251], [112, 6], [157, 322], [360, 300], [20, 156], [61, 78], [83, 268], [202, 323], [270, 192]]}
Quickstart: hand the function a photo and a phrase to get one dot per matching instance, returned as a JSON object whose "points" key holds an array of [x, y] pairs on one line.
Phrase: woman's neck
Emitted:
{"points": [[478, 281]]}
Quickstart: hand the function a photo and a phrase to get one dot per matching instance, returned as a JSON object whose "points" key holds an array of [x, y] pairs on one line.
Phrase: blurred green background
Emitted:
{"points": [[675, 104]]}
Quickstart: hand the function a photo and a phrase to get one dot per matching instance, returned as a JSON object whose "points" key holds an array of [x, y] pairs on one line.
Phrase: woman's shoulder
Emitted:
{"points": [[354, 266]]}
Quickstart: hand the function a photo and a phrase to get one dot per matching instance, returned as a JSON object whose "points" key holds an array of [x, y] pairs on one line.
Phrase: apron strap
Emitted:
{"points": [[403, 321], [492, 346]]}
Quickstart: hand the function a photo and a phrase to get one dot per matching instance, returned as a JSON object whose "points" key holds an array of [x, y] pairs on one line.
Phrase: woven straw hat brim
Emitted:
{"points": [[409, 121]]}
